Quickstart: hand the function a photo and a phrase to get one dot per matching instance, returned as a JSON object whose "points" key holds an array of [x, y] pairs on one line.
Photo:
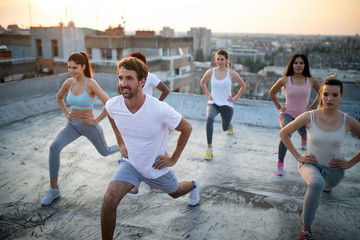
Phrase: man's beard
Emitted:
{"points": [[131, 93]]}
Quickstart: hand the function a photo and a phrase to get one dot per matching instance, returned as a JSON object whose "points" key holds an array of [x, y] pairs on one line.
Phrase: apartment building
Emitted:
{"points": [[169, 58], [202, 41]]}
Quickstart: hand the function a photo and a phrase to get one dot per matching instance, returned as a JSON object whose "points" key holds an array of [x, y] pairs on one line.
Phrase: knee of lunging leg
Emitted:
{"points": [[317, 185]]}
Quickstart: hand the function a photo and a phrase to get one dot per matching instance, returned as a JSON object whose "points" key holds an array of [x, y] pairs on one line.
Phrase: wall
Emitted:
{"points": [[26, 98]]}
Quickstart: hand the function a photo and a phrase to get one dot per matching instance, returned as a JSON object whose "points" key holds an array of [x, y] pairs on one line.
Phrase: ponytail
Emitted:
{"points": [[82, 59]]}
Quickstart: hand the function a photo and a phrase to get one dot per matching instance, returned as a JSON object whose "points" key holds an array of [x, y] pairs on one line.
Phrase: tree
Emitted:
{"points": [[199, 56]]}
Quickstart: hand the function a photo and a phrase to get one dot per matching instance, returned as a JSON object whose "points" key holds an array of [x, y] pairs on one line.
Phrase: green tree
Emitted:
{"points": [[199, 56]]}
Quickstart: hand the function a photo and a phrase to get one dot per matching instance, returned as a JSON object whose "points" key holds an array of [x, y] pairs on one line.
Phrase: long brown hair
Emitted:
{"points": [[290, 68]]}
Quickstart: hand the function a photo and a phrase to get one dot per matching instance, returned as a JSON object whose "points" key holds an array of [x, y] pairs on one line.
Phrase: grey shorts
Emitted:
{"points": [[128, 173]]}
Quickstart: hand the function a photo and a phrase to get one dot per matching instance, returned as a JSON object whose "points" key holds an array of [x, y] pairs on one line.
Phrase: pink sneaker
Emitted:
{"points": [[306, 235], [280, 169], [303, 144]]}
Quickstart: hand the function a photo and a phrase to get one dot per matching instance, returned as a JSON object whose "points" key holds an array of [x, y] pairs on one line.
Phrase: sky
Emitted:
{"points": [[324, 17]]}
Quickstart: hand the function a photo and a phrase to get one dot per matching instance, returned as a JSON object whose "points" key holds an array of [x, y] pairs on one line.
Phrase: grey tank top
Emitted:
{"points": [[325, 146]]}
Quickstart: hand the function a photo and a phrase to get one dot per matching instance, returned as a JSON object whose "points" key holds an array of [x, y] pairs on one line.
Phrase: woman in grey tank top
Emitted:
{"points": [[322, 167]]}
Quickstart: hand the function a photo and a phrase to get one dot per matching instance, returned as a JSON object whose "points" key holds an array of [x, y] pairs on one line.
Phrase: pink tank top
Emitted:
{"points": [[297, 98]]}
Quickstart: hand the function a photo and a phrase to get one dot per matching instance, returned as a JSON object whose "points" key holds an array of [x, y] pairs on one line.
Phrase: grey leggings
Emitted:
{"points": [[68, 134], [285, 119], [316, 177], [226, 116]]}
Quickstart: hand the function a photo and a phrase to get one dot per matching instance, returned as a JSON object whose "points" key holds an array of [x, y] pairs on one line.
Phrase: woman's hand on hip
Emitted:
{"points": [[307, 158], [88, 120], [340, 163], [69, 117]]}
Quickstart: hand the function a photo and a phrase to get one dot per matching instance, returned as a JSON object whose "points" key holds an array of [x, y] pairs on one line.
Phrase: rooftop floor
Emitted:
{"points": [[241, 197]]}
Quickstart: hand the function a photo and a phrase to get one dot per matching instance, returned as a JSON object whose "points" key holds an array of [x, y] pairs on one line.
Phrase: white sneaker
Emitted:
{"points": [[51, 196], [194, 196]]}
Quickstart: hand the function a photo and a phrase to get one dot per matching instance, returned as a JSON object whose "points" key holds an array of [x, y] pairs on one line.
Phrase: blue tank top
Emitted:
{"points": [[83, 101]]}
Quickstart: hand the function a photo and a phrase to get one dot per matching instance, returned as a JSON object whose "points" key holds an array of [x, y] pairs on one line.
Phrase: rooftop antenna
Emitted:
{"points": [[66, 14], [123, 19], [71, 12], [30, 13], [97, 20]]}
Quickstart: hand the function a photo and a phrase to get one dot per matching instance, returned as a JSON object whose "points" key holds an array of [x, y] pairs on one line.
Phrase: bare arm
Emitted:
{"points": [[240, 81], [97, 91], [277, 86], [119, 138], [303, 119], [354, 126], [60, 98], [203, 81], [185, 129], [164, 90], [315, 84]]}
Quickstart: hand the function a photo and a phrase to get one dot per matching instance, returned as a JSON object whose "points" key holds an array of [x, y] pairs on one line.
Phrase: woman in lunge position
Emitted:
{"points": [[323, 166], [297, 83], [220, 98], [82, 90]]}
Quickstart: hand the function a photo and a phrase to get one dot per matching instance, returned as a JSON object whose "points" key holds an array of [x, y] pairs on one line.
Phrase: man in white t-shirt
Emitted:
{"points": [[151, 80], [143, 122]]}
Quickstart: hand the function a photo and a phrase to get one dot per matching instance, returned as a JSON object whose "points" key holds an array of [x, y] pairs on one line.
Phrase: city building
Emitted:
{"points": [[169, 58], [167, 32], [238, 54], [202, 41]]}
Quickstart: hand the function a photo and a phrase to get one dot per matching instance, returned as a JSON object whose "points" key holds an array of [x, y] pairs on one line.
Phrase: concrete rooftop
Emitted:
{"points": [[241, 197]]}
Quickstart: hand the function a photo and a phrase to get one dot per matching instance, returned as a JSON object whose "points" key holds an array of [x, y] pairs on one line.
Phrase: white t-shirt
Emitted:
{"points": [[151, 81], [144, 132]]}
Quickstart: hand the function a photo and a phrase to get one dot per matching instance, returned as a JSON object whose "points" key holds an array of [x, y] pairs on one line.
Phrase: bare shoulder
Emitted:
{"points": [[351, 123], [67, 83], [283, 80], [304, 119], [233, 72], [92, 83], [209, 71], [313, 81]]}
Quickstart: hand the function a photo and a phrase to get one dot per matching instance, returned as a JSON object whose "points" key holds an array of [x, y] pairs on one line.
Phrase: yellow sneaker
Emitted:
{"points": [[208, 154], [231, 130]]}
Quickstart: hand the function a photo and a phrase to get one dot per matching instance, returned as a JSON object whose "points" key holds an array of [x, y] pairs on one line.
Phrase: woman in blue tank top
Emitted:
{"points": [[81, 90], [220, 99], [322, 167]]}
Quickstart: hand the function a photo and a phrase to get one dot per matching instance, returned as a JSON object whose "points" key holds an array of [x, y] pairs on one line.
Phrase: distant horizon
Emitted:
{"points": [[278, 17], [212, 32]]}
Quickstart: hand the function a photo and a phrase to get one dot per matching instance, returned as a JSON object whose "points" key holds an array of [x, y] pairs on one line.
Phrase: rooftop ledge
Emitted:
{"points": [[240, 196]]}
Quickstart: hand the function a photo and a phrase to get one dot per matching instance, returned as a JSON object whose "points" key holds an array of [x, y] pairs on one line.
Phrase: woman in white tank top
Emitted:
{"points": [[220, 99], [322, 167]]}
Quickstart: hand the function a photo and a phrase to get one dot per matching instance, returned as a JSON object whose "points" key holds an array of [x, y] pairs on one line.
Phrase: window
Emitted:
{"points": [[89, 52], [55, 48], [106, 53], [38, 47]]}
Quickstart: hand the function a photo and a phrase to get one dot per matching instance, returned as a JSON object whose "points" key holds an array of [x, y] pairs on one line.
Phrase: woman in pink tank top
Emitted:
{"points": [[297, 83], [322, 167]]}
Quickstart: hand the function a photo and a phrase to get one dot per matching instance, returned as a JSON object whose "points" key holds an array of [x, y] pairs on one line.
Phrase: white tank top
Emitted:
{"points": [[221, 90], [325, 146]]}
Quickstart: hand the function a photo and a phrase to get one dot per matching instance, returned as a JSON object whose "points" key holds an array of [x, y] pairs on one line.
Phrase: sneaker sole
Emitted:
{"points": [[193, 205], [52, 200]]}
